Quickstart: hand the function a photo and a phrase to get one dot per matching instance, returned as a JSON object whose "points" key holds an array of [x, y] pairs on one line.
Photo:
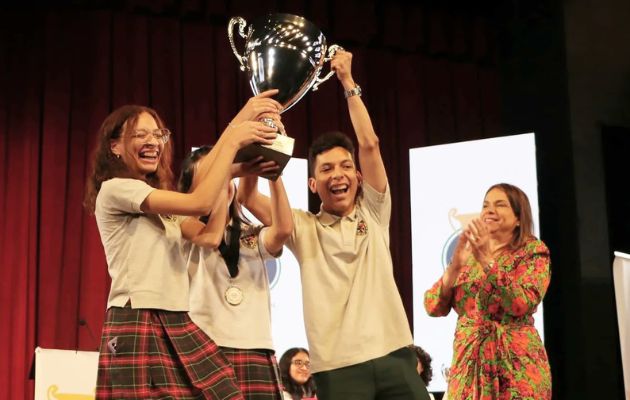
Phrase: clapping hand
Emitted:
{"points": [[461, 253], [479, 238]]}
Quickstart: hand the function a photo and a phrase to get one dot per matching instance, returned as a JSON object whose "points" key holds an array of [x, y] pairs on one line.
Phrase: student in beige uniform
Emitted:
{"points": [[357, 329], [150, 348], [230, 298]]}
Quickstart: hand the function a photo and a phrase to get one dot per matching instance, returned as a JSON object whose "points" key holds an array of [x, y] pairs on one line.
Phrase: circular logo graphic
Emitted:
{"points": [[449, 248], [273, 271]]}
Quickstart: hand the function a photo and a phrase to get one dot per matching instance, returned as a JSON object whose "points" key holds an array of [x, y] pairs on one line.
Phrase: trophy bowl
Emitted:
{"points": [[284, 52]]}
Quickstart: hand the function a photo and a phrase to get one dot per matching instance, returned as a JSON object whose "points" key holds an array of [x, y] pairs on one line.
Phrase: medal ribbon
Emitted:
{"points": [[231, 251]]}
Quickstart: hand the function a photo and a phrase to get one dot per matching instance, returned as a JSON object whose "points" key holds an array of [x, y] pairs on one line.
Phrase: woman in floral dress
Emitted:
{"points": [[497, 277]]}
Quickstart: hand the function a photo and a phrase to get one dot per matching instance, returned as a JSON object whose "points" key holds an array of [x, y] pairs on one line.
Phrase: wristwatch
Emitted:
{"points": [[355, 91]]}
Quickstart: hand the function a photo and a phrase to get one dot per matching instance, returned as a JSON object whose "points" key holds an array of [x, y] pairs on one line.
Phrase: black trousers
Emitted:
{"points": [[391, 377]]}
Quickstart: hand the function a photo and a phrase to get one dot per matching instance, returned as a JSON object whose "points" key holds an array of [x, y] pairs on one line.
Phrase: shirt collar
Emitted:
{"points": [[327, 219]]}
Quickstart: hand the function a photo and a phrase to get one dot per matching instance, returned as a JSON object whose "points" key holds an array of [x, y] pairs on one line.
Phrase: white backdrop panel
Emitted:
{"points": [[448, 183]]}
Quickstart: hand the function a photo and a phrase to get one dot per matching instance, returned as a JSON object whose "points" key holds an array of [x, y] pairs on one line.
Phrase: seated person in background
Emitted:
{"points": [[424, 366], [295, 371]]}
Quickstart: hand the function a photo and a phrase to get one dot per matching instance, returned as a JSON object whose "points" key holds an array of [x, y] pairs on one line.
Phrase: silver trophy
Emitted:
{"points": [[284, 52]]}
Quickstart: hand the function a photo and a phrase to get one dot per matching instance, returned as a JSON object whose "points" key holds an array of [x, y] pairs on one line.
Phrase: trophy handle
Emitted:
{"points": [[331, 52], [241, 31]]}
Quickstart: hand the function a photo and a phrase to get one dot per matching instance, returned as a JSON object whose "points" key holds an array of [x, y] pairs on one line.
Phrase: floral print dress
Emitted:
{"points": [[497, 352]]}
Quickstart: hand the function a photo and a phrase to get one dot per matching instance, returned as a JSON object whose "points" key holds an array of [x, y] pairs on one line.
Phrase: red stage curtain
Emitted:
{"points": [[427, 78]]}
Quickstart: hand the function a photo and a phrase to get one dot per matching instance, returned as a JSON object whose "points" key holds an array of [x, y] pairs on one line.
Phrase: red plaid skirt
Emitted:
{"points": [[256, 372], [156, 354]]}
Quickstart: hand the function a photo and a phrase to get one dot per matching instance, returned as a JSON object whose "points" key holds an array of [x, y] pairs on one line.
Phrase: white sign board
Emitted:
{"points": [[65, 374], [448, 184], [621, 275]]}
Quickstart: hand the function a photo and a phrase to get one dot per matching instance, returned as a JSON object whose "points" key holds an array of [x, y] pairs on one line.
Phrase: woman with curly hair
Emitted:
{"points": [[150, 348]]}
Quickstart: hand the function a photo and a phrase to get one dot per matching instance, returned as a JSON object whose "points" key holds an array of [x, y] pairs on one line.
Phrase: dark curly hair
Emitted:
{"points": [[425, 360], [296, 390]]}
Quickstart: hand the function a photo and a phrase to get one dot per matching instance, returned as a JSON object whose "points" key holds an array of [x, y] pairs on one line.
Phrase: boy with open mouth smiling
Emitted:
{"points": [[356, 325]]}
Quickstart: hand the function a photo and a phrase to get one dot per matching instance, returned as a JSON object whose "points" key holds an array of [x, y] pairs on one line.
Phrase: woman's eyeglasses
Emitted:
{"points": [[160, 134], [301, 363]]}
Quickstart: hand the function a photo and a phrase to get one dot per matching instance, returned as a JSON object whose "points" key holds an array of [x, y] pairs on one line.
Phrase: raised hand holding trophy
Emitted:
{"points": [[284, 52]]}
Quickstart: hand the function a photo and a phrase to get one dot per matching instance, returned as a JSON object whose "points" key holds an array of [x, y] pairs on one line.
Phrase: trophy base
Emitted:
{"points": [[280, 152]]}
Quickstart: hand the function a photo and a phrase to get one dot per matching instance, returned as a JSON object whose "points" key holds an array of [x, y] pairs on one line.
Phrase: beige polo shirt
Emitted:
{"points": [[352, 309], [243, 326], [143, 251]]}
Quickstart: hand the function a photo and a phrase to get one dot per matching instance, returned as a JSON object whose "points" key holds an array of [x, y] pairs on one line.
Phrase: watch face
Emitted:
{"points": [[355, 91]]}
